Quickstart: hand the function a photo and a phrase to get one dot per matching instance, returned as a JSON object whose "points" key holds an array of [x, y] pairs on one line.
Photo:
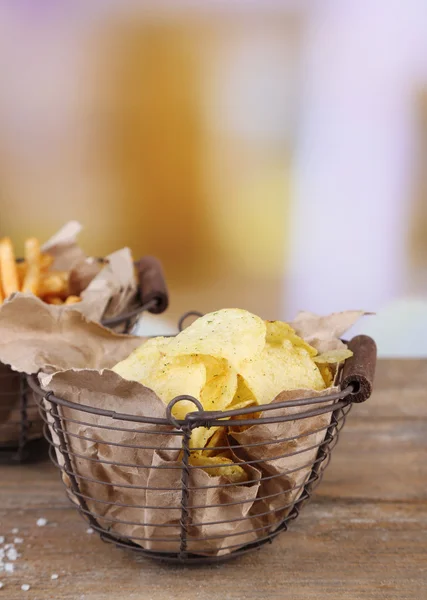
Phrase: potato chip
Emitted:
{"points": [[333, 356], [141, 361], [221, 383], [280, 368], [219, 438], [326, 373], [167, 376], [278, 332], [176, 376], [219, 466], [233, 334], [243, 396]]}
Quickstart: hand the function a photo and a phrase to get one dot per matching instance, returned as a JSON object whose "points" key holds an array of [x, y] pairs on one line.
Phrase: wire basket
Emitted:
{"points": [[302, 454], [21, 426]]}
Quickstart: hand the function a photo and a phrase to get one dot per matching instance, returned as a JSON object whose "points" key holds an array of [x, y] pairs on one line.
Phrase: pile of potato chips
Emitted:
{"points": [[227, 360]]}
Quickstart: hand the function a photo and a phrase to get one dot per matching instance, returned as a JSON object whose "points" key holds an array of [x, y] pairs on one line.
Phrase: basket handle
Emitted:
{"points": [[152, 284], [359, 370]]}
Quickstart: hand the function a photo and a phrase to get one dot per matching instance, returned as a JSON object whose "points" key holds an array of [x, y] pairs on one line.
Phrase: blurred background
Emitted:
{"points": [[271, 153]]}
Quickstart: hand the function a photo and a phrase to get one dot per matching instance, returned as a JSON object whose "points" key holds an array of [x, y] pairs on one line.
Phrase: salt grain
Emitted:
{"points": [[12, 554], [90, 530], [1, 585], [1, 539], [15, 530], [18, 541], [54, 576], [25, 587], [41, 522], [9, 567]]}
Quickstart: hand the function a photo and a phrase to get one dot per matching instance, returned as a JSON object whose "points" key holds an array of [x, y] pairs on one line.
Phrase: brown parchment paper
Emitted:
{"points": [[129, 474], [107, 289], [47, 340]]}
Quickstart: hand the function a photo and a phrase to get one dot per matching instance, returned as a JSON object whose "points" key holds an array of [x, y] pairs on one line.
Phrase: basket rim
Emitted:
{"points": [[201, 418]]}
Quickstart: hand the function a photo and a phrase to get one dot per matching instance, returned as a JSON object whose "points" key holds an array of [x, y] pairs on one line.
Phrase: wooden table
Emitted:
{"points": [[364, 535]]}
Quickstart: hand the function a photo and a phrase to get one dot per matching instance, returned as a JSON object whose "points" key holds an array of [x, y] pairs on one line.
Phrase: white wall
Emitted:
{"points": [[363, 63]]}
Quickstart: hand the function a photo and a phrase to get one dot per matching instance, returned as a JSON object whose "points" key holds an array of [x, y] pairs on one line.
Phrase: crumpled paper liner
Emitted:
{"points": [[107, 289], [48, 340], [122, 486]]}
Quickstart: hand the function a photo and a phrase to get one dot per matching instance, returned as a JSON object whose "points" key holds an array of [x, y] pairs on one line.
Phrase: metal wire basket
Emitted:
{"points": [[220, 514], [21, 426]]}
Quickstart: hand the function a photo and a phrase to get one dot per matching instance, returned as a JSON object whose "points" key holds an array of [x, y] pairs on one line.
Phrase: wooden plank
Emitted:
{"points": [[379, 459], [339, 551], [400, 391]]}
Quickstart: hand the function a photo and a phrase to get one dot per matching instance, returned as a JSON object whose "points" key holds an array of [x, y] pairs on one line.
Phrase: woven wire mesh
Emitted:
{"points": [[162, 508]]}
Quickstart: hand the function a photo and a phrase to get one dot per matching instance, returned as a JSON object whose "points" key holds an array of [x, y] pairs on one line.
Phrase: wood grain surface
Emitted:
{"points": [[363, 536]]}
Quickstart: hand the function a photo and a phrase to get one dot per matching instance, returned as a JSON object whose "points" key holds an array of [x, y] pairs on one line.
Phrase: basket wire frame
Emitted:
{"points": [[60, 415]]}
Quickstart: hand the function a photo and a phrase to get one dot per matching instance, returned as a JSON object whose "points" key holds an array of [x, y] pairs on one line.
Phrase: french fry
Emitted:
{"points": [[21, 268], [72, 300], [46, 261], [31, 281], [9, 273], [53, 300], [54, 283]]}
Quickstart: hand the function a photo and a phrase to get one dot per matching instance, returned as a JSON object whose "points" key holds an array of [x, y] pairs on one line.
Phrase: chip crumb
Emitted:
{"points": [[41, 522], [90, 530], [9, 567], [54, 576], [25, 587], [15, 530], [18, 541]]}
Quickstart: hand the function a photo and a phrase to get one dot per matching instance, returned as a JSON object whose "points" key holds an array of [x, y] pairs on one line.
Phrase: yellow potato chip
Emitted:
{"points": [[333, 356], [177, 376], [221, 383], [243, 396], [280, 368], [217, 393], [142, 360], [219, 438], [233, 334], [168, 377], [326, 372], [278, 332], [219, 466]]}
